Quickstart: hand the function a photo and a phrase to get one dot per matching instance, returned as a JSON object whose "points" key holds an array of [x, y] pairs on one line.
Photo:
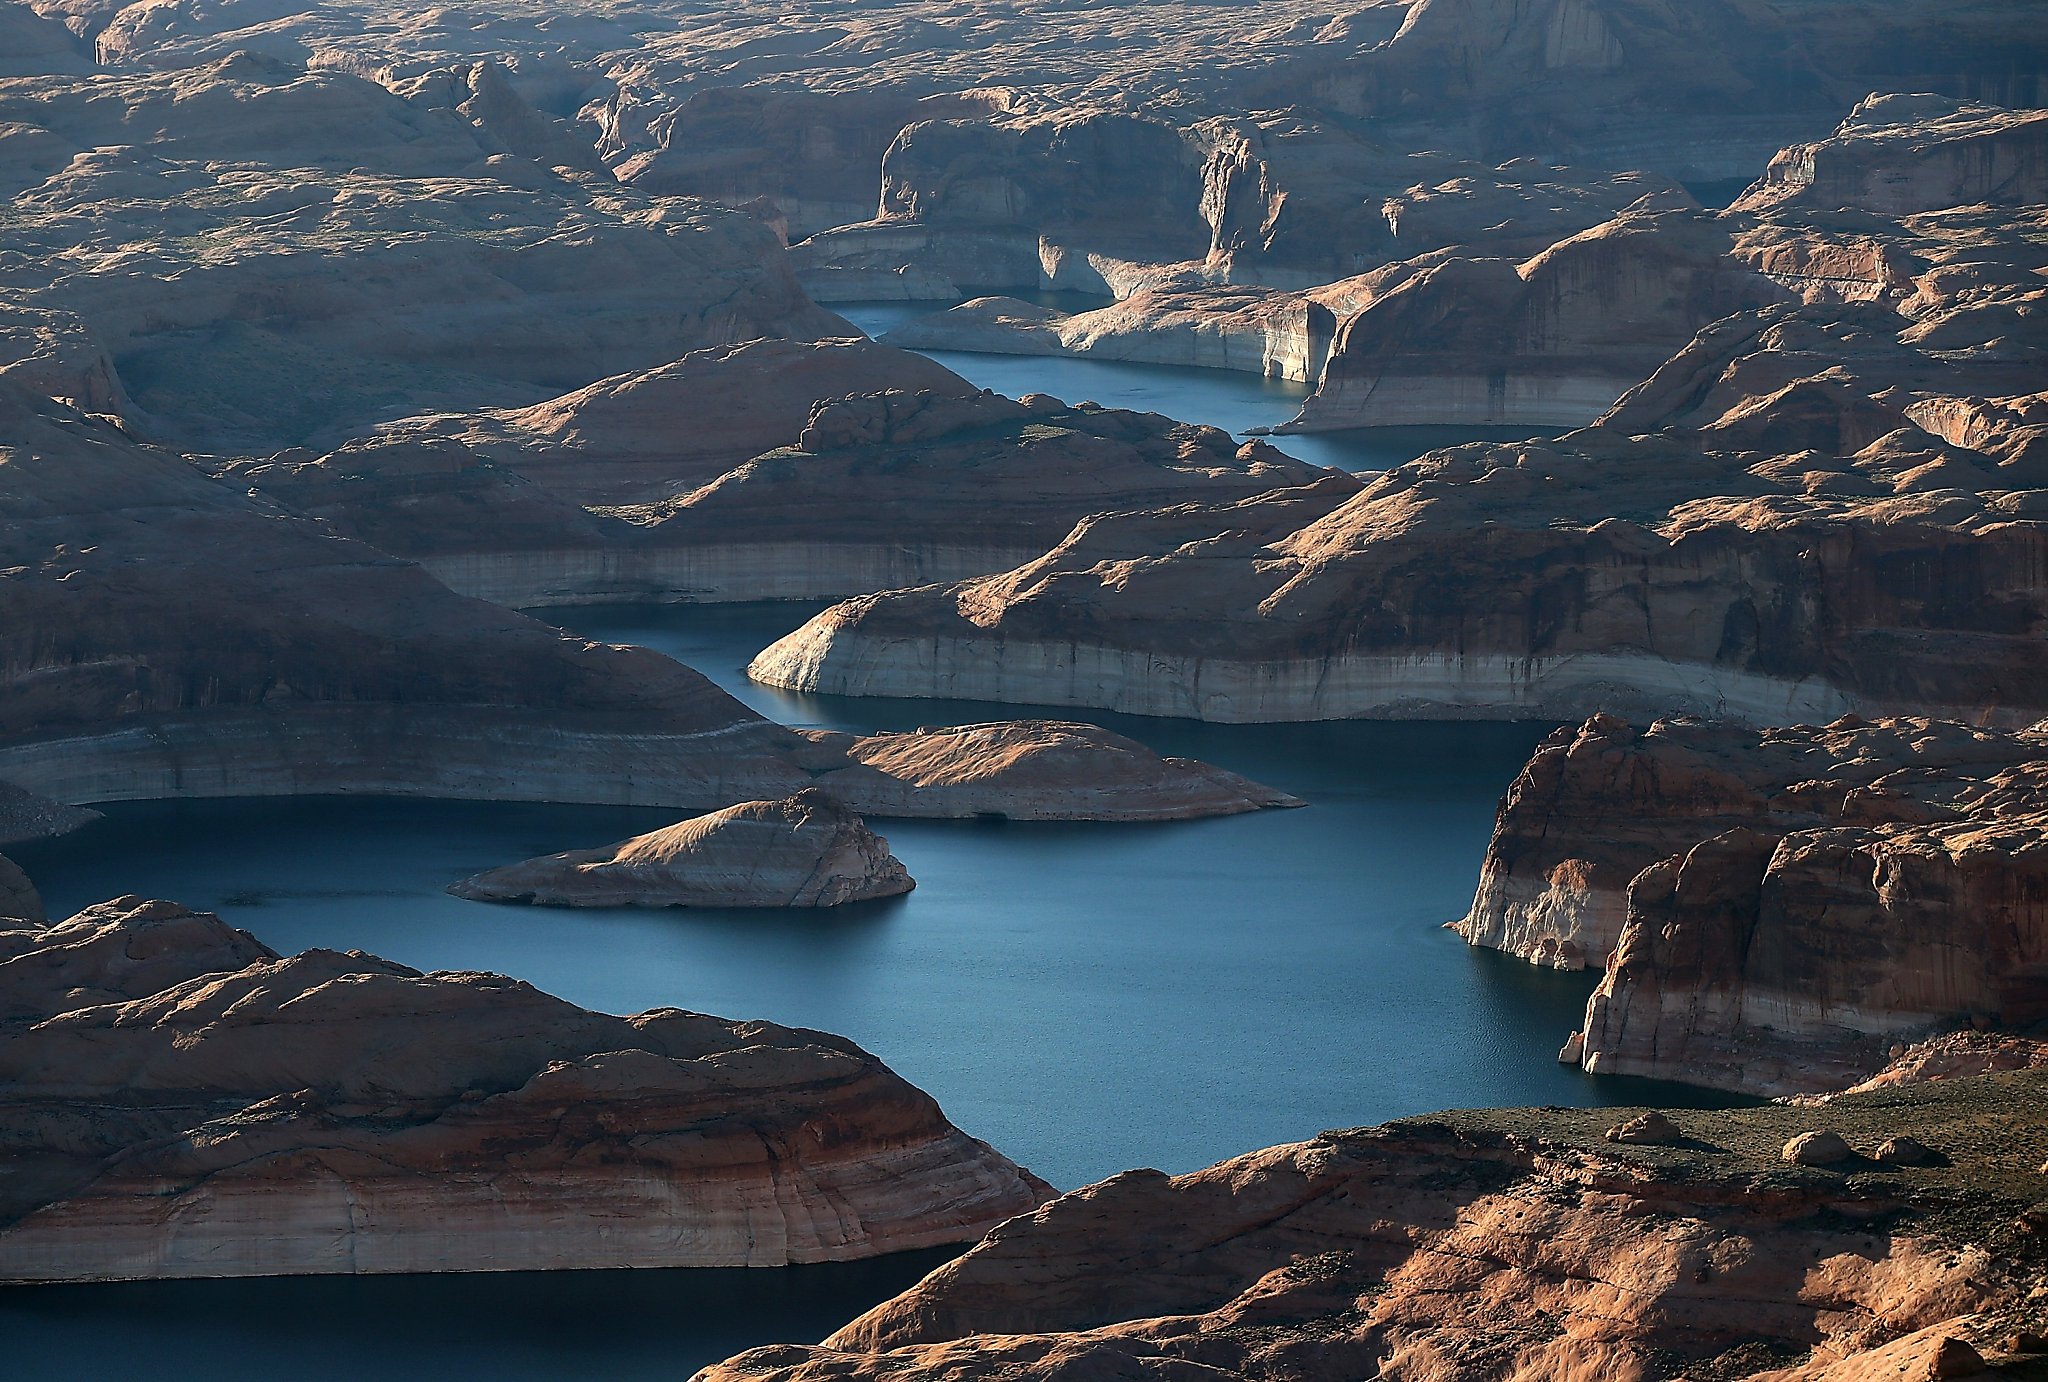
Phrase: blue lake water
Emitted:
{"points": [[1230, 399], [1088, 997]]}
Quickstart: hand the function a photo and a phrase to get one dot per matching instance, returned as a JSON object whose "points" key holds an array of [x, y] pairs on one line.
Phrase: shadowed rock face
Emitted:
{"points": [[1787, 963], [578, 500], [1551, 341], [181, 1101], [229, 232], [1777, 912], [164, 635], [803, 851], [1502, 1245]]}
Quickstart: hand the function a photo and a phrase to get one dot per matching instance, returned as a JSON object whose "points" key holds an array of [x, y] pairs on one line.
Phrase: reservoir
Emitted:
{"points": [[1087, 997]]}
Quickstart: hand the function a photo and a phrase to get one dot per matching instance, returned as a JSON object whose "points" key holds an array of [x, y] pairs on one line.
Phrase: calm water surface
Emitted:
{"points": [[1087, 997], [1230, 399]]}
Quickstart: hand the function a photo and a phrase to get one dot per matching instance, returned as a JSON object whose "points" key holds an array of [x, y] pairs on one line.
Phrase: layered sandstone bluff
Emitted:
{"points": [[165, 634], [803, 851], [1777, 911], [1511, 1246], [176, 1100]]}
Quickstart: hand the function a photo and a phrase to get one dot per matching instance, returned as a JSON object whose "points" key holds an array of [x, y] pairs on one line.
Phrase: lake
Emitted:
{"points": [[1088, 997]]}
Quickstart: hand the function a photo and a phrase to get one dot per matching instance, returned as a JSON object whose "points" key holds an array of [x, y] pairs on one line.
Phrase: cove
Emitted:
{"points": [[1230, 399]]}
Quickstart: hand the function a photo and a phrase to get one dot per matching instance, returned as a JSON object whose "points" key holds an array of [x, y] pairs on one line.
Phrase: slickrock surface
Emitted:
{"points": [[180, 1101], [1512, 1244], [1029, 770], [803, 851], [870, 491], [165, 635]]}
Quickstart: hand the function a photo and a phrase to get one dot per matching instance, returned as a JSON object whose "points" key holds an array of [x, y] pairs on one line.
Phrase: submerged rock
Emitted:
{"points": [[807, 850]]}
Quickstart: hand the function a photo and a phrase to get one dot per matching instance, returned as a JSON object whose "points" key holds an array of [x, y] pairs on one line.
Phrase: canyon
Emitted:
{"points": [[353, 356]]}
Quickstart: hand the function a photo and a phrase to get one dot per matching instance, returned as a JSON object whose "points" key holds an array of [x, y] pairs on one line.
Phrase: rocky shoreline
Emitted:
{"points": [[181, 1101]]}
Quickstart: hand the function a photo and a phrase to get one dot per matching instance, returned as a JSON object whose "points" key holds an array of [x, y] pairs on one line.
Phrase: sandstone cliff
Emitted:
{"points": [[1497, 581], [165, 635], [180, 1101], [1505, 1245], [1778, 912], [1600, 803], [1789, 963]]}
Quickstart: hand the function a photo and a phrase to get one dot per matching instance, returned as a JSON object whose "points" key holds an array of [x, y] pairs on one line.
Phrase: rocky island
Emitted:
{"points": [[803, 851]]}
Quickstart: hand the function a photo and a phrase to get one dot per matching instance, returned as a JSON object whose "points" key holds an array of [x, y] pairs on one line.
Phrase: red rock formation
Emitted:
{"points": [[1502, 1245], [803, 851], [180, 1101], [163, 635], [1495, 581], [1598, 804], [1782, 964]]}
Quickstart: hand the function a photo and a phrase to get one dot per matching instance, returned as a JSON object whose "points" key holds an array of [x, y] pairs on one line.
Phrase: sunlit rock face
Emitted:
{"points": [[183, 1102], [1512, 1244], [1494, 581], [806, 850]]}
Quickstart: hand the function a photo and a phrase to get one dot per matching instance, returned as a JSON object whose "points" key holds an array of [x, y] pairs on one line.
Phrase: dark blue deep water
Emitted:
{"points": [[1086, 997]]}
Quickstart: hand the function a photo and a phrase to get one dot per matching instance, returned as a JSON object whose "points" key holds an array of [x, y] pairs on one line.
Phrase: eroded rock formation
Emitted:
{"points": [[166, 635], [180, 1101], [803, 851], [874, 490], [1504, 1245], [1598, 804]]}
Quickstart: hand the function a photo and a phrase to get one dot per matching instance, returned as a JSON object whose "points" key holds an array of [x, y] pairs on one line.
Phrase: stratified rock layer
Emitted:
{"points": [[803, 851], [1499, 1246], [1777, 911], [1599, 803], [574, 501], [166, 635], [176, 1100]]}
